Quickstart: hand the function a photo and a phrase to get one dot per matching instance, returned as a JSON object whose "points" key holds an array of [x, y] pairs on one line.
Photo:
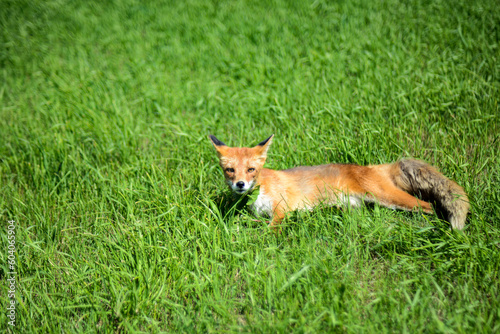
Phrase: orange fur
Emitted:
{"points": [[390, 185]]}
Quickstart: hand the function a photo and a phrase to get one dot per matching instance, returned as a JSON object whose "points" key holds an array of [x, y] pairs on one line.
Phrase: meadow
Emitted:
{"points": [[122, 219]]}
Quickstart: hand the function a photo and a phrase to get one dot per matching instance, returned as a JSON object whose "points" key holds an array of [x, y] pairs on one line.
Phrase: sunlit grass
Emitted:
{"points": [[122, 213]]}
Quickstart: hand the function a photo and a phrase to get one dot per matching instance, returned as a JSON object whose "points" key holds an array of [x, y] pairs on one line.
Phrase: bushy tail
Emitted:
{"points": [[422, 180]]}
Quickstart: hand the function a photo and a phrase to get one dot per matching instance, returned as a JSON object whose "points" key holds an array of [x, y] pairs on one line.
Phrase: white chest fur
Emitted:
{"points": [[263, 205]]}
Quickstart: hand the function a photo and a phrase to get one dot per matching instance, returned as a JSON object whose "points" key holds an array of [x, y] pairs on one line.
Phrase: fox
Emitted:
{"points": [[393, 185]]}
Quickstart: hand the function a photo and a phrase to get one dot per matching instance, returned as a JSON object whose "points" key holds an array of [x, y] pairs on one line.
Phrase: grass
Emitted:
{"points": [[105, 165]]}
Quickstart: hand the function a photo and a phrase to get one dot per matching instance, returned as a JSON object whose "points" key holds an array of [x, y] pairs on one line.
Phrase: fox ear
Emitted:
{"points": [[220, 147], [216, 142], [264, 142], [263, 146]]}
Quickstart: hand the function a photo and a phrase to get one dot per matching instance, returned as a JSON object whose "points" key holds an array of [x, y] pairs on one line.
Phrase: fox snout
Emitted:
{"points": [[240, 186], [239, 179]]}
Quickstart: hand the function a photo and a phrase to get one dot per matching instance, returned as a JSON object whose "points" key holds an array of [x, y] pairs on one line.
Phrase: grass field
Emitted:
{"points": [[121, 212]]}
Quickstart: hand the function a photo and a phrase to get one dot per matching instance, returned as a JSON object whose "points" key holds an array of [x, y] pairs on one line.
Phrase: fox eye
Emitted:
{"points": [[230, 170], [250, 170]]}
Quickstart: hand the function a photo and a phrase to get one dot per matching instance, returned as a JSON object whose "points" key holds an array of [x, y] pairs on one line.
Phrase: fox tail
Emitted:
{"points": [[422, 180]]}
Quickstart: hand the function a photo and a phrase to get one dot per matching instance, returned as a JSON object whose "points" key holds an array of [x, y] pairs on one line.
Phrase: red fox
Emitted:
{"points": [[390, 185]]}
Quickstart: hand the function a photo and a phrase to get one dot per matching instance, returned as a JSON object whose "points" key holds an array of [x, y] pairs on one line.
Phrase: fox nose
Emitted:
{"points": [[240, 184]]}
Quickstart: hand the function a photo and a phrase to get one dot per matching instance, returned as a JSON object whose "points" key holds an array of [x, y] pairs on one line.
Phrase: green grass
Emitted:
{"points": [[105, 165]]}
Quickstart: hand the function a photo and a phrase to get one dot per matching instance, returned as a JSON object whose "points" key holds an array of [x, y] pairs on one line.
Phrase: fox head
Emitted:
{"points": [[241, 165]]}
